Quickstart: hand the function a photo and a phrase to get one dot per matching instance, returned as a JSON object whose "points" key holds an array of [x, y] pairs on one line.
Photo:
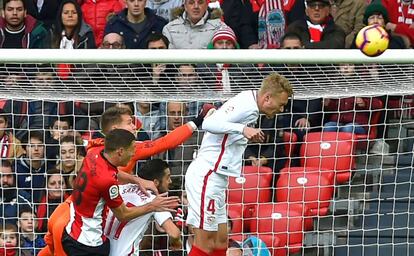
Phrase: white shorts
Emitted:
{"points": [[206, 193]]}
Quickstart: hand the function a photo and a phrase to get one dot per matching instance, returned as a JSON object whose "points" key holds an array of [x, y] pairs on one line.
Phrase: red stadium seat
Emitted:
{"points": [[256, 169], [283, 220], [314, 189], [376, 108], [235, 213], [330, 151], [274, 244], [253, 187], [290, 139]]}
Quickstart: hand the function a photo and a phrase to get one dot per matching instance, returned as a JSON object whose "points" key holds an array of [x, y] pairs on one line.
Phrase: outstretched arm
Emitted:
{"points": [[149, 148], [174, 233]]}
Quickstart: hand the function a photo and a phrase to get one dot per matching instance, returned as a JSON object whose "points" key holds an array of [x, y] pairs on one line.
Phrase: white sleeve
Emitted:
{"points": [[228, 119], [161, 217]]}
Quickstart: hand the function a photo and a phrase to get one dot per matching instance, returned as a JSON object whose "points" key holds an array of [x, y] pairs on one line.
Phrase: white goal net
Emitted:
{"points": [[333, 177]]}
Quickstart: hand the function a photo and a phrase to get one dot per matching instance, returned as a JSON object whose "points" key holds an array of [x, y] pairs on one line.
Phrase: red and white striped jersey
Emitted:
{"points": [[126, 236], [223, 144], [95, 189]]}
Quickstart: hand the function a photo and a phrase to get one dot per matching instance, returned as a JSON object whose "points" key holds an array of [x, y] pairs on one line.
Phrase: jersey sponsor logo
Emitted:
{"points": [[210, 219], [113, 192]]}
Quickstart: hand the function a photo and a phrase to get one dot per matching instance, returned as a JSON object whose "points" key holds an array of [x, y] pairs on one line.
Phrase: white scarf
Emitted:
{"points": [[65, 43], [410, 11]]}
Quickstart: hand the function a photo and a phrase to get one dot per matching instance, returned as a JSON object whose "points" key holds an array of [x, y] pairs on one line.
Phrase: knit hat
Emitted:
{"points": [[322, 1], [374, 8], [225, 32]]}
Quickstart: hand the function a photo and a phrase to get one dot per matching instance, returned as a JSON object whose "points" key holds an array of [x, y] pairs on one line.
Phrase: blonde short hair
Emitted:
{"points": [[275, 84]]}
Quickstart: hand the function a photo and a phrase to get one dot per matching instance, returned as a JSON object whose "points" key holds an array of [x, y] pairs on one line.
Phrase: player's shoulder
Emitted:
{"points": [[133, 191]]}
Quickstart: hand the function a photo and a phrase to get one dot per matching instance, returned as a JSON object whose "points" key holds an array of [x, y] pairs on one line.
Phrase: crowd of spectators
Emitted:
{"points": [[42, 142]]}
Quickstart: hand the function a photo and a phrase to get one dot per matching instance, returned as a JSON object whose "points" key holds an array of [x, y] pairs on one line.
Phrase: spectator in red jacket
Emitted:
{"points": [[97, 12], [401, 17]]}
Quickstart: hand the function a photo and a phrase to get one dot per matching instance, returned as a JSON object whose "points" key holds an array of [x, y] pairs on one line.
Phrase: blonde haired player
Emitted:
{"points": [[227, 132]]}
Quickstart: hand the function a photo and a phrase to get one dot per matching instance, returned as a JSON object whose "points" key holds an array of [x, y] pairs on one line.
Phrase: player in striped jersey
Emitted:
{"points": [[125, 237], [227, 133], [120, 117]]}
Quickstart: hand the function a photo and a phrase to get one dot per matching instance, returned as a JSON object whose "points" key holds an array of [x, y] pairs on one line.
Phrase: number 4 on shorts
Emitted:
{"points": [[211, 206]]}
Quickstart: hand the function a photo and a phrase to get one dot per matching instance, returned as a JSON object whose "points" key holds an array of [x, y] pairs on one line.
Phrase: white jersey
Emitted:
{"points": [[223, 143], [125, 237]]}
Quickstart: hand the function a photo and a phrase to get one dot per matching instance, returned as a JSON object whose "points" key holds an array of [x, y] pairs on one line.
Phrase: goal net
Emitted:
{"points": [[333, 176]]}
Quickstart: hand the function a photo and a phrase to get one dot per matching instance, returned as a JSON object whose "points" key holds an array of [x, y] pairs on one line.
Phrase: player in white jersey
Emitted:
{"points": [[227, 132], [125, 237]]}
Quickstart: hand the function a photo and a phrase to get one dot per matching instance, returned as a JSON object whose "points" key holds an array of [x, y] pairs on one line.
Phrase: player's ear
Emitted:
{"points": [[156, 182]]}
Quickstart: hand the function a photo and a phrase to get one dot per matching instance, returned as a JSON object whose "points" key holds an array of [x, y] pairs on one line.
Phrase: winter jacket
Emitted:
{"points": [[333, 37], [96, 12], [86, 38], [47, 13], [184, 35], [393, 14], [11, 199], [349, 17], [346, 111], [119, 24], [164, 8], [32, 247], [29, 179], [35, 34], [239, 15]]}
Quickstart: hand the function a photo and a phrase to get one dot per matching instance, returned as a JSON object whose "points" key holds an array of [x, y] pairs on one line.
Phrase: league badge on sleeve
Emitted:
{"points": [[113, 191]]}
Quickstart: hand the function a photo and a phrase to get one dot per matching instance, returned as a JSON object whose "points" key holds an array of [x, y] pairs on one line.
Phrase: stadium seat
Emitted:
{"points": [[376, 108], [256, 169], [235, 214], [285, 221], [254, 186], [330, 151], [290, 139], [274, 244], [313, 189]]}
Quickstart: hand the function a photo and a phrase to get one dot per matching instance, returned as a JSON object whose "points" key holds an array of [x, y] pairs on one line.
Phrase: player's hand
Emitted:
{"points": [[157, 70], [254, 134], [145, 185], [176, 244], [302, 123], [165, 203]]}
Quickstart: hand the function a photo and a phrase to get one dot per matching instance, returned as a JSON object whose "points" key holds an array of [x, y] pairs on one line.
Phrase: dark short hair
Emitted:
{"points": [[291, 36], [6, 164], [156, 36], [153, 169], [32, 134], [25, 208], [113, 115], [118, 138], [67, 119], [5, 2], [77, 141]]}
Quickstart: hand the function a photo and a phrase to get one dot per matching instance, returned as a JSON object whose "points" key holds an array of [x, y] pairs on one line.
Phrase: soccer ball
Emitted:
{"points": [[372, 40]]}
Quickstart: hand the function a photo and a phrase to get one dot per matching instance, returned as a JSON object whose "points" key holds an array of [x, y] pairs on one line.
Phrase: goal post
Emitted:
{"points": [[335, 174]]}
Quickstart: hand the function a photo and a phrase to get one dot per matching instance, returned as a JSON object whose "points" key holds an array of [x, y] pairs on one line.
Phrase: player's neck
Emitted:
{"points": [[111, 159]]}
